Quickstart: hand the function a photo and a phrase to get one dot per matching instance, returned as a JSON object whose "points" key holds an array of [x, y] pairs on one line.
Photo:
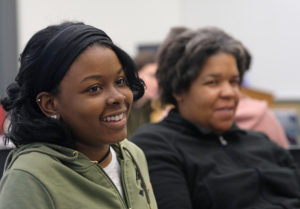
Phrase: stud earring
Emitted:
{"points": [[39, 100], [53, 117]]}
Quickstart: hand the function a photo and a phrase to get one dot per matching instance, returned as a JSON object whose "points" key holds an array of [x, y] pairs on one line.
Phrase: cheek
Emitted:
{"points": [[80, 112], [82, 108], [128, 95], [147, 81], [154, 83], [205, 100], [237, 95]]}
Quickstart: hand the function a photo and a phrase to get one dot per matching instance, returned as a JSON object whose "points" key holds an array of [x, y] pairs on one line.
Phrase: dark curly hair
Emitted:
{"points": [[183, 54], [44, 62]]}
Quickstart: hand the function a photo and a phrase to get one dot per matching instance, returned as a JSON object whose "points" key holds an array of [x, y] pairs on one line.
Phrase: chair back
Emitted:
{"points": [[3, 155], [295, 152]]}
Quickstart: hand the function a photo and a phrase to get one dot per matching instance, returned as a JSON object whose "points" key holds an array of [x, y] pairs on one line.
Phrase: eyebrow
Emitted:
{"points": [[217, 76], [120, 70], [98, 77], [211, 76], [95, 77]]}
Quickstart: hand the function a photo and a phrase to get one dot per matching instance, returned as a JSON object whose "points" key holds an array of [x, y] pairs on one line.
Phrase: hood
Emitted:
{"points": [[79, 162], [70, 157], [249, 112], [64, 154]]}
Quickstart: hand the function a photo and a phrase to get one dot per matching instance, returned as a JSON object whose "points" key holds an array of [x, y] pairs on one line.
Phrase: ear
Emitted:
{"points": [[178, 97], [46, 102]]}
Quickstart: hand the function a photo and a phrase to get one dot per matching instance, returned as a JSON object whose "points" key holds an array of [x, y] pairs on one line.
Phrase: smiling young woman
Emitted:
{"points": [[68, 111]]}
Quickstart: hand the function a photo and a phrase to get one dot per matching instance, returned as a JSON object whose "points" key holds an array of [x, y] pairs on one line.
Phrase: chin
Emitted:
{"points": [[224, 127], [118, 137]]}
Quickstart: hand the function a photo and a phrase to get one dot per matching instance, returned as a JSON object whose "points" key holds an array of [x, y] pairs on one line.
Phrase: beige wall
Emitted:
{"points": [[127, 22], [269, 28]]}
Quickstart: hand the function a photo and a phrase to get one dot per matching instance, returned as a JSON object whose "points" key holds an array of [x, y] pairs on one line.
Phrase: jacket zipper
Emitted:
{"points": [[223, 141], [123, 184], [114, 186]]}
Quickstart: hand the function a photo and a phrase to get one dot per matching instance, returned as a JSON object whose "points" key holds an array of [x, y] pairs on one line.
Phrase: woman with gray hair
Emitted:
{"points": [[197, 156]]}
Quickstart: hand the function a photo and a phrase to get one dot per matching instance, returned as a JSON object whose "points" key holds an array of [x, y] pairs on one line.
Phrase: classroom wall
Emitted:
{"points": [[271, 31], [269, 28], [8, 43], [129, 22]]}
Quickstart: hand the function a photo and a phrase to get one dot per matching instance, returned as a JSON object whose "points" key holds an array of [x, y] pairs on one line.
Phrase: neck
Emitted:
{"points": [[105, 160], [99, 154], [141, 102]]}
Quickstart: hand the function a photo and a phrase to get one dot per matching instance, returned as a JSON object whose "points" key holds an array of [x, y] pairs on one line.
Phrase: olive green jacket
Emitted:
{"points": [[47, 176]]}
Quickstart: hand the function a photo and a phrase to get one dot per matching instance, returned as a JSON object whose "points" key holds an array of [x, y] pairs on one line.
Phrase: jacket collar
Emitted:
{"points": [[175, 117]]}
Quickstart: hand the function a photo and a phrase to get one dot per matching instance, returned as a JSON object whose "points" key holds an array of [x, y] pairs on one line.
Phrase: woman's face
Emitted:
{"points": [[94, 99], [147, 74], [213, 96]]}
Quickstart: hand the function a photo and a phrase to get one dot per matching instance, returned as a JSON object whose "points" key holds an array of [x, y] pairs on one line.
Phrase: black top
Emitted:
{"points": [[193, 168]]}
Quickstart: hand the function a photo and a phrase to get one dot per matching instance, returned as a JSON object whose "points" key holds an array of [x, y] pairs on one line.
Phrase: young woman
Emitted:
{"points": [[198, 158], [68, 109]]}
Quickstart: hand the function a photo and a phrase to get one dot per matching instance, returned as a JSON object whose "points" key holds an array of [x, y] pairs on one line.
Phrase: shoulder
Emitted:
{"points": [[260, 144], [36, 163], [154, 132], [24, 173], [133, 153], [253, 135], [133, 148], [152, 128], [152, 136], [32, 159], [256, 139], [17, 187]]}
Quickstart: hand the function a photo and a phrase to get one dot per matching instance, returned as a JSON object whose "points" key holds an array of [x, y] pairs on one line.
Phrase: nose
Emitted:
{"points": [[229, 90], [115, 97]]}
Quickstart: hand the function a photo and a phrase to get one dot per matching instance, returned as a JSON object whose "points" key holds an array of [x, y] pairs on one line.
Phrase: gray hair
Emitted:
{"points": [[183, 54]]}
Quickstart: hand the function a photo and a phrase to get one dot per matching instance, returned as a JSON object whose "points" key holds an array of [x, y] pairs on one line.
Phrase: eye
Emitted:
{"points": [[121, 81], [235, 82], [211, 82], [94, 89]]}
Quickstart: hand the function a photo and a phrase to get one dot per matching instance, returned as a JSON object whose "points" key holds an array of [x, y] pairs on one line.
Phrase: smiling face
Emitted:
{"points": [[213, 96], [94, 99]]}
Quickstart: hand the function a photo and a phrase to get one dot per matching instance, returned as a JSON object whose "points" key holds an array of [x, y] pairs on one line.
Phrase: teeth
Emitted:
{"points": [[114, 118]]}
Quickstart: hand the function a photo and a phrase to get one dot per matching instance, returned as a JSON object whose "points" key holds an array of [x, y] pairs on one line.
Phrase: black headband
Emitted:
{"points": [[61, 51]]}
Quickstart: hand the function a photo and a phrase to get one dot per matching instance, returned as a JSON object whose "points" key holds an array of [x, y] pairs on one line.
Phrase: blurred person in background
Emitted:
{"points": [[256, 115], [2, 117], [143, 108]]}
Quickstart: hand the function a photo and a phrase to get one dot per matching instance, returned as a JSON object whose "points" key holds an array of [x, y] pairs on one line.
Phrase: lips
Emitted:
{"points": [[228, 107], [225, 109], [225, 112], [114, 118]]}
